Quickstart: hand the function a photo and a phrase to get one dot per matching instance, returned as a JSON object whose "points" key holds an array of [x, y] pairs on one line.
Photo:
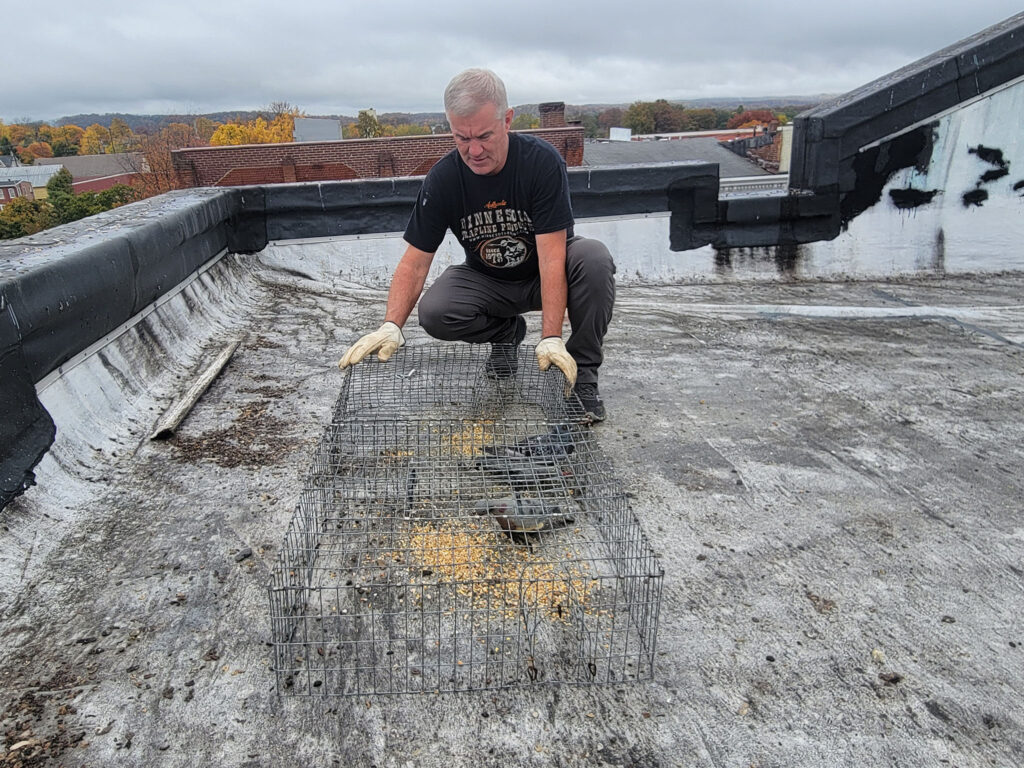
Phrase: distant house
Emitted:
{"points": [[35, 175], [9, 161], [92, 173], [317, 129], [12, 189]]}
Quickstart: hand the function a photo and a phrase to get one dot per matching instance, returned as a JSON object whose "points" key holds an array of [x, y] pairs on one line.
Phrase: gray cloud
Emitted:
{"points": [[339, 57]]}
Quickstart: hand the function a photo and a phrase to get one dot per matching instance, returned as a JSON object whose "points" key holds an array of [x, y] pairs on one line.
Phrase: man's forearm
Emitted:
{"points": [[554, 289], [407, 284]]}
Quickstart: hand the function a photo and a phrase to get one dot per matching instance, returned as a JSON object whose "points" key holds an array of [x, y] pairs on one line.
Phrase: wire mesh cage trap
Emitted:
{"points": [[457, 532]]}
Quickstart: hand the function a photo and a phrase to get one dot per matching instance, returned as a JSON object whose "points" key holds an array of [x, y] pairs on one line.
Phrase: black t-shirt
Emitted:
{"points": [[495, 218]]}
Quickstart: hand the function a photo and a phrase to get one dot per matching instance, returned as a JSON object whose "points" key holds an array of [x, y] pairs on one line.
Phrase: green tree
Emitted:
{"points": [[702, 119], [116, 196], [640, 117], [63, 148], [722, 117], [368, 125], [61, 183], [22, 217], [523, 122], [67, 206], [10, 229], [61, 196], [591, 128]]}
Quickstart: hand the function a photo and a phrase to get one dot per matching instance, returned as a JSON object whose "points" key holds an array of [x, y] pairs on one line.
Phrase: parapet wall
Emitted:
{"points": [[829, 141]]}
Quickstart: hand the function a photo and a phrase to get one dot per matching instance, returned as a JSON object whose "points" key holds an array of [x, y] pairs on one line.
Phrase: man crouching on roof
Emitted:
{"points": [[505, 196]]}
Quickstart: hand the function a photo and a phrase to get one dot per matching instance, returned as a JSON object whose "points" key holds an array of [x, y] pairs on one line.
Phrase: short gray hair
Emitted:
{"points": [[472, 89]]}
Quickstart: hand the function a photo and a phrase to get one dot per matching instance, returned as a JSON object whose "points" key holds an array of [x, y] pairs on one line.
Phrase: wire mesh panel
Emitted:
{"points": [[452, 381], [458, 533]]}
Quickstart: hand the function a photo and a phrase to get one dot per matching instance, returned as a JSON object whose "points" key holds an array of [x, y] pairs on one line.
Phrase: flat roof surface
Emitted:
{"points": [[95, 166], [830, 473], [38, 175], [706, 150]]}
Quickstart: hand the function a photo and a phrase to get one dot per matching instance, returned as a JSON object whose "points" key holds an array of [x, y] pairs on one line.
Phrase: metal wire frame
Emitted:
{"points": [[396, 578], [451, 381]]}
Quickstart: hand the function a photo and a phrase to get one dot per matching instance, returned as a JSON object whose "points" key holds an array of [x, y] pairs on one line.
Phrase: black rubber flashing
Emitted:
{"points": [[623, 190], [337, 208], [828, 137], [26, 429], [66, 288]]}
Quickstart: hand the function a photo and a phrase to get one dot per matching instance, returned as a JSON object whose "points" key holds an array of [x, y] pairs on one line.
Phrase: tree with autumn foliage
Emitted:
{"points": [[407, 129], [609, 118], [204, 129], [68, 134], [752, 118], [153, 165], [278, 130], [95, 140], [122, 139], [37, 149]]}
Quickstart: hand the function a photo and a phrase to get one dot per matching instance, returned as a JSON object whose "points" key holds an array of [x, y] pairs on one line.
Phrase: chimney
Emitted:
{"points": [[552, 114]]}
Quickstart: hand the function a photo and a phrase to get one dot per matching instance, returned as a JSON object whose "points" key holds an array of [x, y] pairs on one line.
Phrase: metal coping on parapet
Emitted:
{"points": [[460, 532]]}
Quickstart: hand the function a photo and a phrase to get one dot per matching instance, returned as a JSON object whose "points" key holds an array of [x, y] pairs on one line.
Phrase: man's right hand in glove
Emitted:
{"points": [[384, 341]]}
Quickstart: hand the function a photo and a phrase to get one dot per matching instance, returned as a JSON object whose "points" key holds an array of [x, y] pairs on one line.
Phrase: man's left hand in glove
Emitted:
{"points": [[551, 350]]}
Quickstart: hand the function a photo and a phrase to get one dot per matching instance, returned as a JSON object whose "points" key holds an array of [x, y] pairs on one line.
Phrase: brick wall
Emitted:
{"points": [[332, 160], [99, 183], [768, 156], [552, 114]]}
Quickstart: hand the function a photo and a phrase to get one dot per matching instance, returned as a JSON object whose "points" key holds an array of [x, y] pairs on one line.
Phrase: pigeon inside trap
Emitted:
{"points": [[457, 532]]}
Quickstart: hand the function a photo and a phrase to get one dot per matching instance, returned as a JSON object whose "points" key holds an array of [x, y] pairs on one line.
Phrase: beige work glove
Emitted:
{"points": [[552, 350], [384, 341]]}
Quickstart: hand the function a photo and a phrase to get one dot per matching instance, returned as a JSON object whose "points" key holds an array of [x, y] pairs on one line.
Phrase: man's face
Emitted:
{"points": [[482, 139]]}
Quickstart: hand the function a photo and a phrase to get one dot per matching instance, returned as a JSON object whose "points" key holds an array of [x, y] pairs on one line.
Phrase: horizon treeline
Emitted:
{"points": [[117, 133]]}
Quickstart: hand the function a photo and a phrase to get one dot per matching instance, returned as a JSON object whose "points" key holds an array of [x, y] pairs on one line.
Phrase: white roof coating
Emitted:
{"points": [[827, 474]]}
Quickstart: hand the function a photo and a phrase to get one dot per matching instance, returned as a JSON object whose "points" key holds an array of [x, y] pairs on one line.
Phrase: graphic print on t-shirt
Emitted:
{"points": [[501, 236]]}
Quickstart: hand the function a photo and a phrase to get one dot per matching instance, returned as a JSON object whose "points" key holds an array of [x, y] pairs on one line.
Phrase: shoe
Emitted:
{"points": [[590, 398], [503, 361]]}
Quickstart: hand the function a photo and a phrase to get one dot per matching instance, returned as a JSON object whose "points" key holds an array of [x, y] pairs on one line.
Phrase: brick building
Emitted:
{"points": [[348, 159], [93, 173], [36, 175], [12, 189]]}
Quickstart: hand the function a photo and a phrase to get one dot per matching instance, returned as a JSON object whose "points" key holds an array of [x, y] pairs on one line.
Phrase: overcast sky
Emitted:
{"points": [[337, 56]]}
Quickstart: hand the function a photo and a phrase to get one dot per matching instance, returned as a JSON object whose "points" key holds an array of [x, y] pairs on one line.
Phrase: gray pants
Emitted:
{"points": [[463, 304]]}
